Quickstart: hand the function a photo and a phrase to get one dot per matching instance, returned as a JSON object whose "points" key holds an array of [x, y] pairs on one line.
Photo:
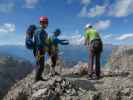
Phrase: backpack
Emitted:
{"points": [[96, 46], [29, 43]]}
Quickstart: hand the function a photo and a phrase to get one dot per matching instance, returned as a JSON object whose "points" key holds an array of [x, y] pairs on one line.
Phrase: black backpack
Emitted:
{"points": [[96, 45]]}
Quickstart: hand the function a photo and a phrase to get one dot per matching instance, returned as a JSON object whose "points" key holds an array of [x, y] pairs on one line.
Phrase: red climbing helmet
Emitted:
{"points": [[44, 19]]}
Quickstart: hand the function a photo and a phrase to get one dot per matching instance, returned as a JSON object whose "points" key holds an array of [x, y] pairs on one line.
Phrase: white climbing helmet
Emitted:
{"points": [[87, 26]]}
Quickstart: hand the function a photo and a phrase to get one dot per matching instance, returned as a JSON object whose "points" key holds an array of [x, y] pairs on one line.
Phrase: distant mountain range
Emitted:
{"points": [[16, 51], [70, 54]]}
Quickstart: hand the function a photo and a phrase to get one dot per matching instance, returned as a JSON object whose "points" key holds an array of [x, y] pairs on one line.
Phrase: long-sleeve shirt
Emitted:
{"points": [[55, 41]]}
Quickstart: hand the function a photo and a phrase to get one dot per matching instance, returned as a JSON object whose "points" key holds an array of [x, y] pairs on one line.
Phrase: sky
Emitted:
{"points": [[113, 19]]}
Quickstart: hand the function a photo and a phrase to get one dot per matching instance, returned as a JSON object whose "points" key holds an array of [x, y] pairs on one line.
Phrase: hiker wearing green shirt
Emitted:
{"points": [[94, 43]]}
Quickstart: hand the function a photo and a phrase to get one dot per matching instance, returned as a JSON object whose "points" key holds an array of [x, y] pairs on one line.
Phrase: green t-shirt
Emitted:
{"points": [[91, 34]]}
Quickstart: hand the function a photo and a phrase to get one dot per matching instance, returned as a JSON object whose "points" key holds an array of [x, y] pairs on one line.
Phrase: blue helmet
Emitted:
{"points": [[57, 31]]}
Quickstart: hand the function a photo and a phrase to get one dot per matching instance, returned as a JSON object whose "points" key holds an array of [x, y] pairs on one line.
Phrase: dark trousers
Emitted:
{"points": [[40, 62], [54, 59], [94, 57]]}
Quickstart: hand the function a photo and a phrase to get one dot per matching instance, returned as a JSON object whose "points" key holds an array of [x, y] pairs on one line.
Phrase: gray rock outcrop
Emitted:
{"points": [[116, 82]]}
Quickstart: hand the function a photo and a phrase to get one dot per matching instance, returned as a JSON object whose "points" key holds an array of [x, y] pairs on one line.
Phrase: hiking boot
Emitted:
{"points": [[93, 76], [90, 76], [98, 77]]}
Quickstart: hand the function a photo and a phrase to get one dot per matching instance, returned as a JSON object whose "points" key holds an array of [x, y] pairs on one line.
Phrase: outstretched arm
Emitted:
{"points": [[62, 42]]}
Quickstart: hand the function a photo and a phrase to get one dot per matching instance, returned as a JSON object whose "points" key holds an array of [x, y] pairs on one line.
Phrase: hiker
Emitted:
{"points": [[37, 42], [55, 41], [94, 42], [40, 38]]}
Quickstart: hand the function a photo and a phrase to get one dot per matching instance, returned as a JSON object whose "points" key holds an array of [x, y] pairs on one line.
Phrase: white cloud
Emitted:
{"points": [[69, 1], [102, 25], [122, 8], [8, 35], [31, 3], [125, 37], [96, 11], [7, 27], [85, 2], [118, 39], [83, 12], [75, 39], [108, 36], [7, 7], [119, 8]]}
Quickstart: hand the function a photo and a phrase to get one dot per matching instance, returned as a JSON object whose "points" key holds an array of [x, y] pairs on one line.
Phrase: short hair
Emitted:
{"points": [[90, 26]]}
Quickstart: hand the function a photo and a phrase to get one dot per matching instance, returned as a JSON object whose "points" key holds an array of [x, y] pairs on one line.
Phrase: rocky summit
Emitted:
{"points": [[116, 82]]}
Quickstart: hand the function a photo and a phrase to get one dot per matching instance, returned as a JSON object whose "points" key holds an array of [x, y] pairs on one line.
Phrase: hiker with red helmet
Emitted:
{"points": [[94, 42], [40, 44], [37, 42]]}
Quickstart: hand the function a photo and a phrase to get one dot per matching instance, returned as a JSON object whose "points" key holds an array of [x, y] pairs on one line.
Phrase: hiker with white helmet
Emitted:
{"points": [[94, 42]]}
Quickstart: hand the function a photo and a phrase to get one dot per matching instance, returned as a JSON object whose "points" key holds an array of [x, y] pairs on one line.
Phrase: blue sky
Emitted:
{"points": [[113, 19]]}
